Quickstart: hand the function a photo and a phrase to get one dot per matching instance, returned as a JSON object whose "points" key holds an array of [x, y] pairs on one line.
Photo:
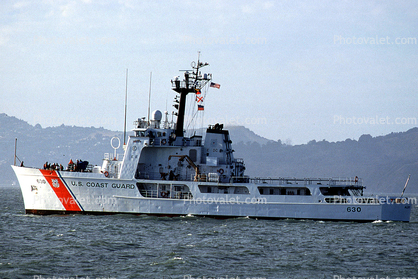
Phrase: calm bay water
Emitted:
{"points": [[125, 246]]}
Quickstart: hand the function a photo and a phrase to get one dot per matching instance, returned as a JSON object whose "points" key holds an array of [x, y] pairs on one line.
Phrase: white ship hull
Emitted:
{"points": [[63, 192]]}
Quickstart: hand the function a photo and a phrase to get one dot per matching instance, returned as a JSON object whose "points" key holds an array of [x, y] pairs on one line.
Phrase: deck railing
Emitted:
{"points": [[340, 181], [334, 181]]}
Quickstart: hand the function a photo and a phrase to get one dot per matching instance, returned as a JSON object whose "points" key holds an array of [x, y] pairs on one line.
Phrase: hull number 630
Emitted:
{"points": [[353, 209]]}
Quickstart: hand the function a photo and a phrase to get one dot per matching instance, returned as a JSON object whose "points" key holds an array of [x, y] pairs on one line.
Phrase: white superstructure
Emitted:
{"points": [[166, 173]]}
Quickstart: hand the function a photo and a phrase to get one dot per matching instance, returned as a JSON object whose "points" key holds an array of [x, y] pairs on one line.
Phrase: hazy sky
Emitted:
{"points": [[289, 70]]}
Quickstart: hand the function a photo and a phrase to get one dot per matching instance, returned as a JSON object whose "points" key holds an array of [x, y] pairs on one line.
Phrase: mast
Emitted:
{"points": [[14, 163], [192, 81]]}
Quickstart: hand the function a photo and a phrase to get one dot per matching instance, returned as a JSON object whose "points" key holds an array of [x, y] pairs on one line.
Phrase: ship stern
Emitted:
{"points": [[396, 209]]}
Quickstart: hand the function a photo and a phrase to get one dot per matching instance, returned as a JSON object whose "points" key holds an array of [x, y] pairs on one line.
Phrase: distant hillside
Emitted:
{"points": [[240, 134], [36, 145], [383, 162]]}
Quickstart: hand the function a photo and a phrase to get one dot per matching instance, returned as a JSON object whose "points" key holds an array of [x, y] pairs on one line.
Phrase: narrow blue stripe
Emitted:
{"points": [[68, 188]]}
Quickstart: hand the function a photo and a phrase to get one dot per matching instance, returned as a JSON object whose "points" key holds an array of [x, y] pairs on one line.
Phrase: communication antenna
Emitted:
{"points": [[149, 96], [126, 108]]}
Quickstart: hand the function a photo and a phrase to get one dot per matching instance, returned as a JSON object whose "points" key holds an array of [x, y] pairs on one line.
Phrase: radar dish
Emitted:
{"points": [[157, 115]]}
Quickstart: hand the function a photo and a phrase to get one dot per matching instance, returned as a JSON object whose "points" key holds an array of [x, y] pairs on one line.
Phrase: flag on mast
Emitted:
{"points": [[215, 85], [199, 100]]}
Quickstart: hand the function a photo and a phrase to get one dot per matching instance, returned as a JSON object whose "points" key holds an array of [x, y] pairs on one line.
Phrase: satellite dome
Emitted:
{"points": [[157, 115]]}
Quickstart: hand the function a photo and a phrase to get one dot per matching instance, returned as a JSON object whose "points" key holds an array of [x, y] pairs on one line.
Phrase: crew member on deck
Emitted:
{"points": [[71, 165]]}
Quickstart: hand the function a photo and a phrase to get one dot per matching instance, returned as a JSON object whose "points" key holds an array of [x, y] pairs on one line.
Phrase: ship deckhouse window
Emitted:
{"points": [[164, 191], [193, 154], [301, 191], [334, 191], [341, 191], [224, 189]]}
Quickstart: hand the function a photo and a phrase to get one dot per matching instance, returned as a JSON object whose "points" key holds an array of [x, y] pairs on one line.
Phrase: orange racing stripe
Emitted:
{"points": [[61, 190]]}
